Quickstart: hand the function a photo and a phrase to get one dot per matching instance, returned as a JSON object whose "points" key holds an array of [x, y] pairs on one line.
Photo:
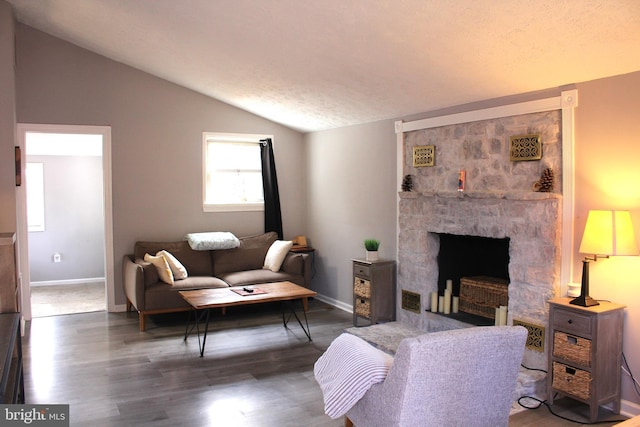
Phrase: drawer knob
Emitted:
{"points": [[569, 321]]}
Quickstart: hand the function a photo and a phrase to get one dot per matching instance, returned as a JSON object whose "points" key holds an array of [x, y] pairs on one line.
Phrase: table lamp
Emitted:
{"points": [[607, 233]]}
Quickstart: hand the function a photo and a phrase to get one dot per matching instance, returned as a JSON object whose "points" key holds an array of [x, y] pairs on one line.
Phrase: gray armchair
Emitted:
{"points": [[465, 377]]}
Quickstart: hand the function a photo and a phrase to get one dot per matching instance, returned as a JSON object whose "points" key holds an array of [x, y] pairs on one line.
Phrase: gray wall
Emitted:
{"points": [[156, 141], [352, 196], [7, 121], [74, 220]]}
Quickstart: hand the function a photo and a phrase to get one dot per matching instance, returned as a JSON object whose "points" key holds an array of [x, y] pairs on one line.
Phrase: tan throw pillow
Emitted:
{"points": [[276, 254], [178, 270], [164, 271]]}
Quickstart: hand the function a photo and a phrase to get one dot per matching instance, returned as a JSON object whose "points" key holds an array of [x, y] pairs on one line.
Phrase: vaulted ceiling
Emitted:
{"points": [[320, 64]]}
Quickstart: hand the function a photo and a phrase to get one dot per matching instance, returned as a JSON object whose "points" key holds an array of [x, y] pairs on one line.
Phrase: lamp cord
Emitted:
{"points": [[544, 403], [627, 370]]}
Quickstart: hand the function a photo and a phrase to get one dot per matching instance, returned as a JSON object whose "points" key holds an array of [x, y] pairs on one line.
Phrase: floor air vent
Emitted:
{"points": [[535, 337]]}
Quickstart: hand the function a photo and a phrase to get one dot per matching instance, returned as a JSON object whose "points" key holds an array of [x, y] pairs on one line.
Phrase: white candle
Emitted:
{"points": [[447, 301], [450, 285], [503, 315], [434, 302], [455, 305], [440, 304]]}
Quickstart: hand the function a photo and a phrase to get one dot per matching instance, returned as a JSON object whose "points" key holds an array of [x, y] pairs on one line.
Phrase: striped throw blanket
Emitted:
{"points": [[345, 372]]}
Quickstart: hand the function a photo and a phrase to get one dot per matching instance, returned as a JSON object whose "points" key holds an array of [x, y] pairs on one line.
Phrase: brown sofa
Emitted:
{"points": [[206, 269]]}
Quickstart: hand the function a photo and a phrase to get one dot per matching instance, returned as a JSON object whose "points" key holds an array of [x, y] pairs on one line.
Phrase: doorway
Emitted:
{"points": [[65, 231]]}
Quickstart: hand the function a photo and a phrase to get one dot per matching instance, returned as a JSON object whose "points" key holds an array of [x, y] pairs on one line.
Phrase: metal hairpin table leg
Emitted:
{"points": [[306, 330], [198, 319], [204, 337]]}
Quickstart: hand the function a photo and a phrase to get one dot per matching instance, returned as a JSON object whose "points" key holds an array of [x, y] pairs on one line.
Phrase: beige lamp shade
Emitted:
{"points": [[609, 233]]}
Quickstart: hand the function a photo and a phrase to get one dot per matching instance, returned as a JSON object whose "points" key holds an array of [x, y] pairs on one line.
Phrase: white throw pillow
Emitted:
{"points": [[276, 254], [161, 264], [178, 270]]}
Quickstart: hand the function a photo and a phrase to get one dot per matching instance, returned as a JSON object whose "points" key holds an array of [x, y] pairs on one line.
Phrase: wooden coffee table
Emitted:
{"points": [[206, 299]]}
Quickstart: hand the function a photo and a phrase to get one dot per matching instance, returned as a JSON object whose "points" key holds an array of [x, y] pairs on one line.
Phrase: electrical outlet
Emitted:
{"points": [[57, 257]]}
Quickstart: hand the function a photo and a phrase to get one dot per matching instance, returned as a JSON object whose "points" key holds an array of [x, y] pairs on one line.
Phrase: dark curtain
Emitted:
{"points": [[272, 214]]}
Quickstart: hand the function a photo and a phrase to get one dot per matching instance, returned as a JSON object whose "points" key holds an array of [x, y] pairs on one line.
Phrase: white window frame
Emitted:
{"points": [[227, 137]]}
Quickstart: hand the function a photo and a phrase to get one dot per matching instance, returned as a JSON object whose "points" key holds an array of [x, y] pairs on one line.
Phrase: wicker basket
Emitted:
{"points": [[571, 380], [363, 307], [480, 295], [572, 348], [362, 287]]}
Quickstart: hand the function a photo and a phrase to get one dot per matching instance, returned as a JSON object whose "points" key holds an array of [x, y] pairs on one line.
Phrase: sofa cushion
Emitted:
{"points": [[249, 255], [164, 271], [258, 240], [160, 296], [276, 253], [197, 263], [255, 277], [178, 270], [198, 282]]}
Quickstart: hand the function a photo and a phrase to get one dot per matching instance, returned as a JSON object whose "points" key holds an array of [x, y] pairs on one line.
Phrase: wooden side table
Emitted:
{"points": [[586, 353], [374, 290]]}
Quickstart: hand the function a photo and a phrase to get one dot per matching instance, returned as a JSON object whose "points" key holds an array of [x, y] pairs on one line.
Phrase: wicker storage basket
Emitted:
{"points": [[362, 287], [480, 295], [571, 380], [572, 348], [363, 307]]}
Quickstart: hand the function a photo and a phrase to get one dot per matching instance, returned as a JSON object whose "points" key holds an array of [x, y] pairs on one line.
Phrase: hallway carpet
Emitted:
{"points": [[55, 300]]}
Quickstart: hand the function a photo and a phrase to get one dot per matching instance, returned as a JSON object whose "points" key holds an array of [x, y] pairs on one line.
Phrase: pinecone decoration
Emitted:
{"points": [[545, 184], [407, 183]]}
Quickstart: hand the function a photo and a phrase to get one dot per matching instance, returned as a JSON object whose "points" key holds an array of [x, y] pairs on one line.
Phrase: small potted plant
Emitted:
{"points": [[371, 246]]}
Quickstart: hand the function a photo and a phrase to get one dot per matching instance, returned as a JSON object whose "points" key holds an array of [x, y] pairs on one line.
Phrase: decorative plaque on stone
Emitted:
{"points": [[424, 155], [525, 147]]}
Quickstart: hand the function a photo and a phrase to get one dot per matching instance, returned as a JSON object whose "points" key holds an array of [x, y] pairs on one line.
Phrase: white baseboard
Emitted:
{"points": [[629, 409], [334, 302], [68, 281], [120, 308]]}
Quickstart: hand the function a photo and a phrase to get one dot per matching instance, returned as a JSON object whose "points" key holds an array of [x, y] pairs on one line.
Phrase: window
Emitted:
{"points": [[232, 172], [34, 173]]}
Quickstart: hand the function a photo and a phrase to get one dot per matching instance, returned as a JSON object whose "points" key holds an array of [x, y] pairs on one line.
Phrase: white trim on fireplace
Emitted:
{"points": [[566, 102]]}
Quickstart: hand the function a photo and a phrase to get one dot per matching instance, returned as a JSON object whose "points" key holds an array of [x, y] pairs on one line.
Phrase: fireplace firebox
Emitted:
{"points": [[469, 256]]}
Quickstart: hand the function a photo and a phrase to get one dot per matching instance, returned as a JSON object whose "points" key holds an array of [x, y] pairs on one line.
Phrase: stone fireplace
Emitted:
{"points": [[498, 203]]}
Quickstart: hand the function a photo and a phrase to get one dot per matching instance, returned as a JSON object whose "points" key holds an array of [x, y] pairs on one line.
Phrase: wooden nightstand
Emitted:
{"points": [[586, 353], [374, 290]]}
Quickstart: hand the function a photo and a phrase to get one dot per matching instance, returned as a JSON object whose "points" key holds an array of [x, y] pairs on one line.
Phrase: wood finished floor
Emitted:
{"points": [[254, 371]]}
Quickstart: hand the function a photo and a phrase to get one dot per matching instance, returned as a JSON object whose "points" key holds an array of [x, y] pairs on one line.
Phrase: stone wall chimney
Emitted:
{"points": [[498, 202]]}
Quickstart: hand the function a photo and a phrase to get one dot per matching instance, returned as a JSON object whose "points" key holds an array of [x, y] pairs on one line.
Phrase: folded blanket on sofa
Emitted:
{"points": [[345, 372], [212, 240]]}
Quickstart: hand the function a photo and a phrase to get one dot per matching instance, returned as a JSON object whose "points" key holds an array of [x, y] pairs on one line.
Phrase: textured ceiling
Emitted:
{"points": [[315, 65]]}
